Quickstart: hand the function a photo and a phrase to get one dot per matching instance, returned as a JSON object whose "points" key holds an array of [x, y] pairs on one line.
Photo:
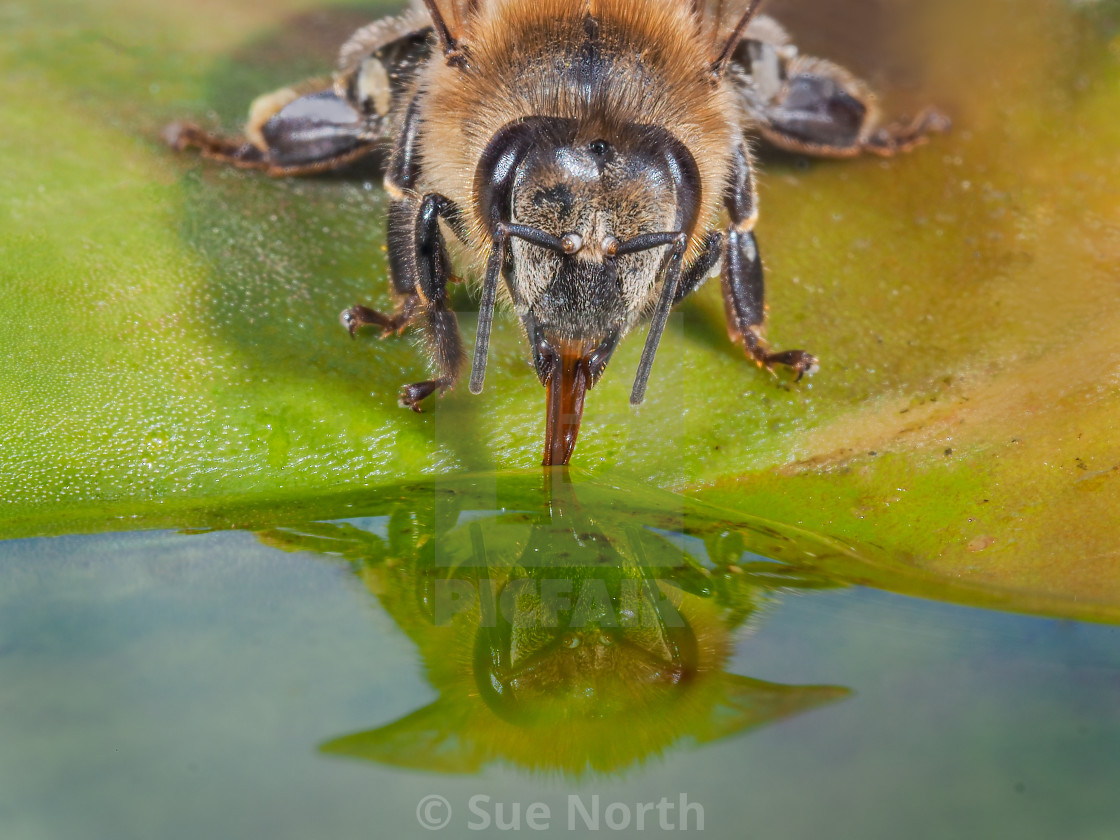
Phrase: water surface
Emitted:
{"points": [[305, 677]]}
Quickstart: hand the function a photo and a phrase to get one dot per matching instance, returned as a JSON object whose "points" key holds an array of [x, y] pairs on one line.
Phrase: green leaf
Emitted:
{"points": [[171, 342]]}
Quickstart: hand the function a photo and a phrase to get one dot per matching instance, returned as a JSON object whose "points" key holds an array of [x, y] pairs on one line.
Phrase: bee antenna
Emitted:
{"points": [[736, 37], [657, 324], [449, 42], [486, 308]]}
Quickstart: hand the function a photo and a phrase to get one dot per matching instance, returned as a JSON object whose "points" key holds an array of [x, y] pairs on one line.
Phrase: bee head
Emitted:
{"points": [[587, 212]]}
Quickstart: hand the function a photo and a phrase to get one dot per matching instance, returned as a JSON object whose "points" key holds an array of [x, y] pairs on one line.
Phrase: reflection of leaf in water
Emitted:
{"points": [[738, 543]]}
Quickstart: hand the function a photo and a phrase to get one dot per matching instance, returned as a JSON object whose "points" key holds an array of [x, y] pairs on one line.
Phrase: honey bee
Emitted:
{"points": [[591, 158]]}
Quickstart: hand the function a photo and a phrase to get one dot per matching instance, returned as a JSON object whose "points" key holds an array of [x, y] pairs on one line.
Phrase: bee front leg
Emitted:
{"points": [[421, 270], [359, 316], [703, 266], [419, 267], [743, 287]]}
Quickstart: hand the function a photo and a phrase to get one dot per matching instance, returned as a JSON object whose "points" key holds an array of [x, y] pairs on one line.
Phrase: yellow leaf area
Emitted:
{"points": [[1007, 471]]}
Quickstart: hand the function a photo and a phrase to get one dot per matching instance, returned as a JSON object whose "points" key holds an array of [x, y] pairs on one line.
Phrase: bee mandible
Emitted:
{"points": [[591, 157]]}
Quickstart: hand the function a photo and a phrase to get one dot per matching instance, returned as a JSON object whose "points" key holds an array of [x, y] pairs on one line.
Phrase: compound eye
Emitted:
{"points": [[610, 246], [571, 242]]}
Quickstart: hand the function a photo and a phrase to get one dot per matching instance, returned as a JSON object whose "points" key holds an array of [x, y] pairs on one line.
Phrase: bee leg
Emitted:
{"points": [[240, 153], [289, 132], [419, 265], [743, 287], [821, 109], [743, 302], [420, 268], [359, 316], [903, 136]]}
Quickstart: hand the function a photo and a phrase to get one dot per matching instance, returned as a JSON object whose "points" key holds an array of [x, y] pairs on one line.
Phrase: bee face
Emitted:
{"points": [[524, 669], [586, 215], [593, 193]]}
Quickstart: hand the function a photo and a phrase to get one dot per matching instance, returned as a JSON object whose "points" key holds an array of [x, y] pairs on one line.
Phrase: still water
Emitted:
{"points": [[511, 651]]}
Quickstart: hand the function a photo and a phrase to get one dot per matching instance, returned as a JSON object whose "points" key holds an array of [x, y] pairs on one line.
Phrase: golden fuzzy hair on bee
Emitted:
{"points": [[523, 60], [717, 20]]}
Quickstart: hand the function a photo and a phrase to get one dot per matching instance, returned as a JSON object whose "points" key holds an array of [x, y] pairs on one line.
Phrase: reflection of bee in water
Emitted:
{"points": [[590, 155], [580, 634]]}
